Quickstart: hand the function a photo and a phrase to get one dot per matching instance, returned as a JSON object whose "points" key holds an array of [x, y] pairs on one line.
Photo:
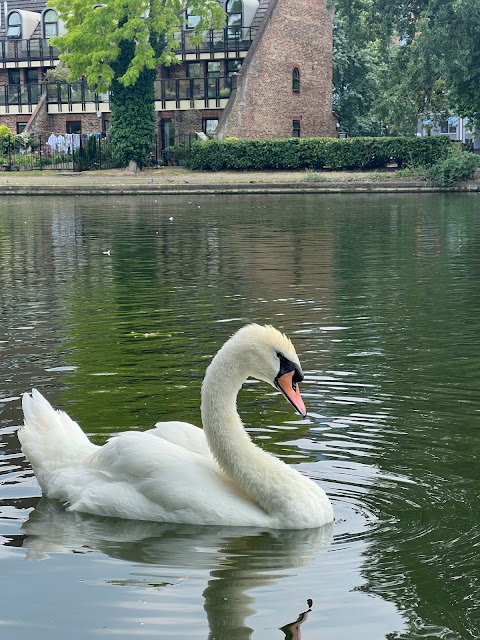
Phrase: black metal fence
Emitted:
{"points": [[69, 152], [73, 152]]}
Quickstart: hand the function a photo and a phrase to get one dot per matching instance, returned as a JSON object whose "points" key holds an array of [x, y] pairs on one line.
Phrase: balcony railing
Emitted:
{"points": [[21, 97], [66, 94], [33, 50], [193, 90], [197, 92], [223, 41]]}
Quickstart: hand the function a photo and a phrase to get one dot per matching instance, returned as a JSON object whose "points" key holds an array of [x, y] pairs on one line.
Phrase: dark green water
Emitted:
{"points": [[381, 296]]}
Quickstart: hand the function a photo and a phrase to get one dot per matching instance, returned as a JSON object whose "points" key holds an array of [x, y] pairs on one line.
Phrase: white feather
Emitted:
{"points": [[177, 472]]}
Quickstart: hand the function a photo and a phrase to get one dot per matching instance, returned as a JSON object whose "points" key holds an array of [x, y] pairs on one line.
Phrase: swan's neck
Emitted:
{"points": [[267, 480]]}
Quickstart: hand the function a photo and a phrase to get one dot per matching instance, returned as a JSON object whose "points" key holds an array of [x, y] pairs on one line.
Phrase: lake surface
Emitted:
{"points": [[113, 310]]}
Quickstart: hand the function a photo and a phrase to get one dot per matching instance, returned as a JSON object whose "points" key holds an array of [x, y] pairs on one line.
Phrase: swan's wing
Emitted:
{"points": [[145, 477], [182, 434]]}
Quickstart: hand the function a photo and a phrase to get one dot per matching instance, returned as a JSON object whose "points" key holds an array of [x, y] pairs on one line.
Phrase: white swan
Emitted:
{"points": [[178, 472]]}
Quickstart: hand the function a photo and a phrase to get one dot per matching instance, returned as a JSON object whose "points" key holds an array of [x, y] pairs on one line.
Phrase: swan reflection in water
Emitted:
{"points": [[236, 559]]}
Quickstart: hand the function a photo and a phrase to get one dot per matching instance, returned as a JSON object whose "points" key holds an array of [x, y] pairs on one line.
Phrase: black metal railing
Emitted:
{"points": [[71, 152], [23, 97], [83, 152], [66, 94], [214, 41], [228, 40], [197, 91], [33, 50]]}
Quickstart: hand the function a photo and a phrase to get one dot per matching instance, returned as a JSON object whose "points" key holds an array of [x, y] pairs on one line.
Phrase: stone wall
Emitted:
{"points": [[297, 33]]}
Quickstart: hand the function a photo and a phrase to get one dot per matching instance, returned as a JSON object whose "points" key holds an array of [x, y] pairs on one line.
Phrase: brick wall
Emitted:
{"points": [[90, 122], [45, 124], [297, 33]]}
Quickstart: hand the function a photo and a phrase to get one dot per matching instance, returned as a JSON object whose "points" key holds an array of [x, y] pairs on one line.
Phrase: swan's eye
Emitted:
{"points": [[279, 355]]}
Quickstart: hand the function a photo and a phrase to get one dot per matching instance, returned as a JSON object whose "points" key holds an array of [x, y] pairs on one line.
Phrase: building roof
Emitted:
{"points": [[27, 5]]}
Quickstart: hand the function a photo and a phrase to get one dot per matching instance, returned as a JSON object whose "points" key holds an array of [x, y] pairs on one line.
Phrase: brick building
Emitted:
{"points": [[267, 74]]}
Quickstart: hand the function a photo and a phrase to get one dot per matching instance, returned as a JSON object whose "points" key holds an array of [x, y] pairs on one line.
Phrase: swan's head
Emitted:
{"points": [[270, 356]]}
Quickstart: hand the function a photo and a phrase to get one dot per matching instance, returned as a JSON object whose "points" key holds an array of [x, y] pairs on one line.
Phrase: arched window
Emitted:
{"points": [[14, 25], [296, 80], [234, 11], [50, 24]]}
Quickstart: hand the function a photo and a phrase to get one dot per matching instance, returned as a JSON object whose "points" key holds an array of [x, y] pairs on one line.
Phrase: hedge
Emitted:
{"points": [[317, 153]]}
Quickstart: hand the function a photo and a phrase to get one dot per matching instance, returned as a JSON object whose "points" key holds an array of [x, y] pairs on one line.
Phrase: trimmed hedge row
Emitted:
{"points": [[316, 153]]}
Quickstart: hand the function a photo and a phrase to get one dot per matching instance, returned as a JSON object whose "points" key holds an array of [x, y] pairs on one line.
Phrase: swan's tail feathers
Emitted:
{"points": [[50, 439]]}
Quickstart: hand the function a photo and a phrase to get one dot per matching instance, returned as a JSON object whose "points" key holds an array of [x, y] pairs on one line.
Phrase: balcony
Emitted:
{"points": [[217, 43], [15, 52], [192, 93], [77, 97], [15, 98]]}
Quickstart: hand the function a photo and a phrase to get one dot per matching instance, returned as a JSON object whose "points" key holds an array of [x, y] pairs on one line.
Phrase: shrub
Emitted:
{"points": [[458, 166], [316, 153], [6, 139]]}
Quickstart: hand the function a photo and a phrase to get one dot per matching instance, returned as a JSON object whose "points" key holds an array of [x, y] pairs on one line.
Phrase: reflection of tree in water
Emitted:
{"points": [[236, 560], [430, 573], [423, 553]]}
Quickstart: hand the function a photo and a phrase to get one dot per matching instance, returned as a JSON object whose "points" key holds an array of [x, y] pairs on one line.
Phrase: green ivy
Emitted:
{"points": [[133, 110]]}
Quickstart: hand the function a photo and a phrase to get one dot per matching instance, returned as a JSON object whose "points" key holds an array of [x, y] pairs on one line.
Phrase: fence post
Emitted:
{"points": [[40, 152]]}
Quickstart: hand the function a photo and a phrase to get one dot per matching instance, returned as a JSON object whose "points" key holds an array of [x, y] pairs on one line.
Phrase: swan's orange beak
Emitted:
{"points": [[291, 392]]}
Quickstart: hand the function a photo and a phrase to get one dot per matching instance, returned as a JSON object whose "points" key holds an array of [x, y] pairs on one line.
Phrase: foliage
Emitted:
{"points": [[6, 139], [119, 45], [178, 151], [25, 141], [60, 73], [356, 73], [93, 154], [93, 38], [55, 160], [396, 62], [133, 109], [459, 165], [316, 153]]}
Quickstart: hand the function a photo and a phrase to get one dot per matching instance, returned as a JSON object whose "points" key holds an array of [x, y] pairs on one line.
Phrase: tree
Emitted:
{"points": [[355, 81], [426, 61], [118, 45]]}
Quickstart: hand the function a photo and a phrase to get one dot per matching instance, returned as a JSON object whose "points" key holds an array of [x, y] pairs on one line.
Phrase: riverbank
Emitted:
{"points": [[176, 180]]}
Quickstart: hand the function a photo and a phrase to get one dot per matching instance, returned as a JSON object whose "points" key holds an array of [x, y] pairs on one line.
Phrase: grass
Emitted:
{"points": [[314, 176]]}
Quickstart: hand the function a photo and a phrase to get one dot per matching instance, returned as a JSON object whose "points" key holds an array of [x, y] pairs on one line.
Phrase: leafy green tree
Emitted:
{"points": [[118, 45], [355, 82], [408, 60]]}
